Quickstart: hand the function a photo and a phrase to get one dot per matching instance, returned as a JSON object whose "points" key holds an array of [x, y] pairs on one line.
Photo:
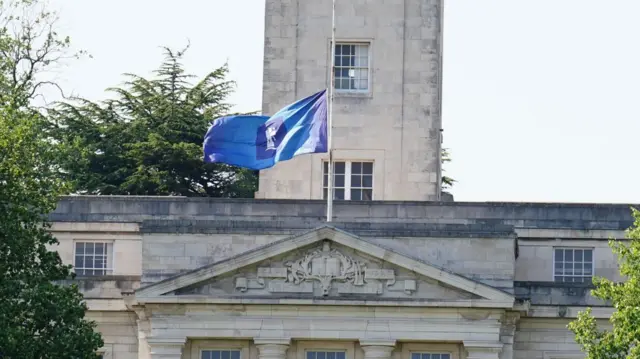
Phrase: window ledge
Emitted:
{"points": [[353, 94]]}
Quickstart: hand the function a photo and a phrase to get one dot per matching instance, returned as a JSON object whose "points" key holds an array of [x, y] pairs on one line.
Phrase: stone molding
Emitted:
{"points": [[377, 349], [483, 350], [272, 348], [166, 348], [320, 234]]}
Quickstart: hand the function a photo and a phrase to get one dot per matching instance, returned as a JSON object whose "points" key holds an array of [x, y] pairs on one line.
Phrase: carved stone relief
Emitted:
{"points": [[328, 268]]}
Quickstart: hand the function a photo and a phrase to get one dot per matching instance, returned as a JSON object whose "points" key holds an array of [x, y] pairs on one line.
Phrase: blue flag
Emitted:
{"points": [[259, 142]]}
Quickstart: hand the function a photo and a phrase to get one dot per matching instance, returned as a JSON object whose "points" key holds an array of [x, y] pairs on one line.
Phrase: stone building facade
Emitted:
{"points": [[387, 94], [268, 279], [401, 273]]}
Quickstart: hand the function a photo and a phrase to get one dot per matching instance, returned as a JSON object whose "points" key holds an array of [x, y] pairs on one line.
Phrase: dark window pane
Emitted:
{"points": [[340, 355], [320, 355], [88, 248], [356, 181], [415, 355], [558, 255], [325, 181], [344, 73], [225, 354], [99, 262], [325, 167], [80, 248], [79, 262], [311, 355], [206, 355], [568, 255], [324, 193], [338, 49], [588, 255], [331, 355], [356, 195], [215, 354], [588, 268], [99, 248], [578, 255], [339, 182], [367, 168], [367, 195], [558, 278], [445, 356], [345, 84], [339, 167], [435, 356], [426, 356], [356, 168], [367, 181], [338, 194], [558, 265]]}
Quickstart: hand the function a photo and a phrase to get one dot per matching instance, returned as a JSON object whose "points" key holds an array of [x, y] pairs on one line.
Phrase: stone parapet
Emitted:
{"points": [[310, 212]]}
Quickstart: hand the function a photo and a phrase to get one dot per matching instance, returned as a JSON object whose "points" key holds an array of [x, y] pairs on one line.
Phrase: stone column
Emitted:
{"points": [[272, 348], [377, 349], [483, 350], [161, 348]]}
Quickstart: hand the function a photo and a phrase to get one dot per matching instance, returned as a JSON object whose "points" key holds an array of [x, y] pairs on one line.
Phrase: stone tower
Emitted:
{"points": [[387, 104]]}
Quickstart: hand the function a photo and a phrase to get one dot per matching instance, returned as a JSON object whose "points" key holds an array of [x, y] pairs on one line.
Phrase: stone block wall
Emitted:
{"points": [[119, 331], [396, 123]]}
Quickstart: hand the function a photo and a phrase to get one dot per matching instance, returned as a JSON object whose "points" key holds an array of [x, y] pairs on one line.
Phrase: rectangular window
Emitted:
{"points": [[220, 354], [351, 180], [351, 71], [326, 354], [573, 265], [430, 356], [93, 258]]}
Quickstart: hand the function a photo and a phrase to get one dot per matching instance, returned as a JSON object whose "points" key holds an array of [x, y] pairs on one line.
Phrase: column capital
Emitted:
{"points": [[483, 350], [377, 349], [272, 348], [166, 348], [265, 340]]}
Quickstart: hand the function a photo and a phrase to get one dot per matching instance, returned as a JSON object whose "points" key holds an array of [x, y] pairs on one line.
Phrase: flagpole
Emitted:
{"points": [[330, 114]]}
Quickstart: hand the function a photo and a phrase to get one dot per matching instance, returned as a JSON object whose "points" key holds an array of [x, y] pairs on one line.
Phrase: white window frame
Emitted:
{"points": [[110, 256], [305, 346], [210, 349], [368, 67], [200, 345], [347, 179], [423, 348], [593, 264]]}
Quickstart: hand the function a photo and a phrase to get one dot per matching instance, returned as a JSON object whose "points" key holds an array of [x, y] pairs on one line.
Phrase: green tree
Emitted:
{"points": [[148, 139], [38, 319], [623, 340]]}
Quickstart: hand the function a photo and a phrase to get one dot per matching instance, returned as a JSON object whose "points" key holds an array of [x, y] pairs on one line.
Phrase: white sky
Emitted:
{"points": [[539, 96]]}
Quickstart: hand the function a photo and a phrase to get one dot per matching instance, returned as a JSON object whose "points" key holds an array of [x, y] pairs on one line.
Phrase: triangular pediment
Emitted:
{"points": [[325, 263]]}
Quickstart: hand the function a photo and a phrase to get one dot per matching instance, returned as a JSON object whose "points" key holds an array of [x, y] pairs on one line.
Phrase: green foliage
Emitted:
{"points": [[38, 319], [148, 140], [447, 182], [622, 341]]}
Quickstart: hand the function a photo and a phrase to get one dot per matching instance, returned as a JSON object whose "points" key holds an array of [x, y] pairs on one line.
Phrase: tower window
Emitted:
{"points": [[351, 180], [351, 71]]}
